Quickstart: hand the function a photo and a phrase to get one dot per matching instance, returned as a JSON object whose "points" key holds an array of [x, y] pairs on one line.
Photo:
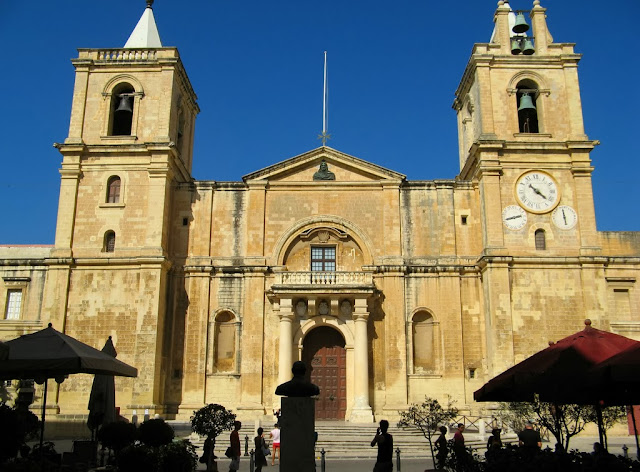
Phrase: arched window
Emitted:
{"points": [[541, 242], [526, 96], [109, 241], [113, 189], [121, 116], [224, 356], [424, 343]]}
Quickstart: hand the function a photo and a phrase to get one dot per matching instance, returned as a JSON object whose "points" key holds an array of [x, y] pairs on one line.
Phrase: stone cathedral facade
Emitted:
{"points": [[389, 289]]}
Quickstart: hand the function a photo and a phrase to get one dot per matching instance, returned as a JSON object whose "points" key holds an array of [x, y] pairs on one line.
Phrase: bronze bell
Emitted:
{"points": [[526, 103], [528, 48], [516, 46], [521, 25], [125, 104]]}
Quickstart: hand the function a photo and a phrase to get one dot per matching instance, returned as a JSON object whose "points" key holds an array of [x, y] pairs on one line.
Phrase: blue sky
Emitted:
{"points": [[257, 69]]}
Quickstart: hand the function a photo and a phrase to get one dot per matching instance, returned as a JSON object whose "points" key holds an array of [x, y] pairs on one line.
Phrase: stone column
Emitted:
{"points": [[361, 409], [285, 353]]}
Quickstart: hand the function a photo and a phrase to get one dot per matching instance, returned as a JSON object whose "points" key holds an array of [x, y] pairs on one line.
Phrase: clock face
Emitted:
{"points": [[514, 217], [564, 217], [537, 192]]}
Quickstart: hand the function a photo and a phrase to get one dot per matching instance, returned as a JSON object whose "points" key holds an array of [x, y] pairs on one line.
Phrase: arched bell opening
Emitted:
{"points": [[325, 355], [526, 96], [121, 115]]}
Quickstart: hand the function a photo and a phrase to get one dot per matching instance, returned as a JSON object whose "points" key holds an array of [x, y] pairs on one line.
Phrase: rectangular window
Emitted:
{"points": [[323, 259], [14, 304]]}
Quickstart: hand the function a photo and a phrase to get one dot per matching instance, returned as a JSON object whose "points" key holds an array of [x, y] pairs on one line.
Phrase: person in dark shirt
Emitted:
{"points": [[234, 438], [529, 438], [441, 447], [384, 461]]}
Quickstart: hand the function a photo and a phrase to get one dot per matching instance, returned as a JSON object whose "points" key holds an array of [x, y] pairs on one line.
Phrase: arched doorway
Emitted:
{"points": [[324, 352]]}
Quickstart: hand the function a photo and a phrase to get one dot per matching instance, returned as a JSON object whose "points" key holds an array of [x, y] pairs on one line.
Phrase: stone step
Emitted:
{"points": [[348, 440]]}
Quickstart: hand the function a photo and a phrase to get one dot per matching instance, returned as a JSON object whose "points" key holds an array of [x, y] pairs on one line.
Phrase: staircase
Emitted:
{"points": [[343, 440]]}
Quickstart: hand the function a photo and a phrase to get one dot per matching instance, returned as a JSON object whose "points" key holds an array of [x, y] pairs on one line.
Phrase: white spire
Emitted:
{"points": [[145, 34], [512, 21]]}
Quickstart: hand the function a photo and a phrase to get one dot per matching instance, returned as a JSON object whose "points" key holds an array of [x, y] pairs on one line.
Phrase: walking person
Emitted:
{"points": [[441, 448], [459, 449], [275, 440], [234, 438], [384, 441], [261, 450]]}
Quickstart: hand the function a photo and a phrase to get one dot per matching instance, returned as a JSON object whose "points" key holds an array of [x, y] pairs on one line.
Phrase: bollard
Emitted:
{"points": [[246, 446], [322, 463], [251, 463], [398, 459], [625, 450]]}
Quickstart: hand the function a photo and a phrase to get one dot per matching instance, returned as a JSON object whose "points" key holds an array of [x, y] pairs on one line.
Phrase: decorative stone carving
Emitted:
{"points": [[345, 308], [301, 308]]}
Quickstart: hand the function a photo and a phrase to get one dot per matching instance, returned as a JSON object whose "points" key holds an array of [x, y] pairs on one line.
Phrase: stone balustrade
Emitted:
{"points": [[324, 278], [127, 55]]}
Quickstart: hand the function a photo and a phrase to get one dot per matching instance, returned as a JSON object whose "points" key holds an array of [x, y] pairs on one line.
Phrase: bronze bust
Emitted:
{"points": [[298, 386], [324, 173]]}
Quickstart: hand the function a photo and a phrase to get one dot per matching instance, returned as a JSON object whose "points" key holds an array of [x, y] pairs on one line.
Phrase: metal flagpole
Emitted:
{"points": [[324, 97], [325, 113]]}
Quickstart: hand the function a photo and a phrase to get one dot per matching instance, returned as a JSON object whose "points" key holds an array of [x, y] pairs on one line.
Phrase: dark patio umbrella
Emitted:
{"points": [[617, 381], [618, 378], [102, 401], [560, 373], [48, 354]]}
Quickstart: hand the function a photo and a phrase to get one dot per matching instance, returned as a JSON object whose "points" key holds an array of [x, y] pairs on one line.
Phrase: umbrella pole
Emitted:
{"points": [[44, 406], [635, 431]]}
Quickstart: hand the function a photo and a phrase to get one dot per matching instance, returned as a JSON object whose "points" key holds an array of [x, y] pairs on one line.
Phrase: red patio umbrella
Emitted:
{"points": [[617, 381], [560, 373]]}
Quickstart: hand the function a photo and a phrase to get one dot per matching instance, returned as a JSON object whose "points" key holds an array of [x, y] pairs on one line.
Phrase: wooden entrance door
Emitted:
{"points": [[325, 354]]}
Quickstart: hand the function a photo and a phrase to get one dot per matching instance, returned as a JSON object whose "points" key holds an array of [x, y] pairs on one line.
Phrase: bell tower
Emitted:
{"points": [[130, 139], [127, 154], [522, 142], [520, 118]]}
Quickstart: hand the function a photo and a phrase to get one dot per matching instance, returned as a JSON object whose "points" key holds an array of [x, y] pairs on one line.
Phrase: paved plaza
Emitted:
{"points": [[582, 443]]}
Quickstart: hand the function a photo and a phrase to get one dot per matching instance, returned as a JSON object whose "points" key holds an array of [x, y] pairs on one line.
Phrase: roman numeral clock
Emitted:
{"points": [[537, 192]]}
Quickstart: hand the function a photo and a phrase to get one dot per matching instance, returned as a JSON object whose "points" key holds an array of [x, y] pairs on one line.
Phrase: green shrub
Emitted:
{"points": [[177, 456], [137, 458], [117, 435], [17, 427], [155, 433]]}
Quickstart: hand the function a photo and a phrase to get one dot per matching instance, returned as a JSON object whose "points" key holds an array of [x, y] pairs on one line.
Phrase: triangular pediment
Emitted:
{"points": [[344, 167]]}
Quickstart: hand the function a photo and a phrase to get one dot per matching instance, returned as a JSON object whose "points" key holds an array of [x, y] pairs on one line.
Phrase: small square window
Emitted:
{"points": [[463, 219], [185, 221]]}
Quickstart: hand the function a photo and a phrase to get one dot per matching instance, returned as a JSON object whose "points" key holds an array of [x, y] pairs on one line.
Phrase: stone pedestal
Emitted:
{"points": [[297, 436]]}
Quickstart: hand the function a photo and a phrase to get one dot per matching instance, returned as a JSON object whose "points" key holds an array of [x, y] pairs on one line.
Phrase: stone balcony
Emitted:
{"points": [[322, 284], [311, 278]]}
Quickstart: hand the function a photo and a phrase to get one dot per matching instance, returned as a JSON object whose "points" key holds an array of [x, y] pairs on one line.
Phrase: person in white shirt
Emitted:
{"points": [[275, 440]]}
